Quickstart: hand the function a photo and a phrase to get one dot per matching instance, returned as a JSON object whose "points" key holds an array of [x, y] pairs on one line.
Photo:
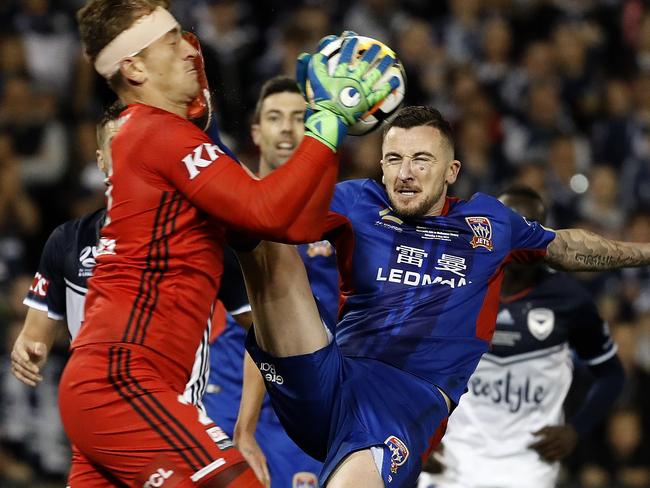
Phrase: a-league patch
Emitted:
{"points": [[399, 453]]}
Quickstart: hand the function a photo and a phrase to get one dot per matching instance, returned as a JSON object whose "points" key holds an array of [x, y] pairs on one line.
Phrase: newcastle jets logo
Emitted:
{"points": [[541, 322], [482, 230], [349, 97], [399, 453]]}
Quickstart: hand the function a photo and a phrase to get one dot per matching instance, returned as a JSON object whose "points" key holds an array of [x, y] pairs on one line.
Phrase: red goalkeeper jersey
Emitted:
{"points": [[172, 195]]}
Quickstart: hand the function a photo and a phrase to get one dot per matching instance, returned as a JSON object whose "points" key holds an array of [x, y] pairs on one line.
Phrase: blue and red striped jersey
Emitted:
{"points": [[423, 294]]}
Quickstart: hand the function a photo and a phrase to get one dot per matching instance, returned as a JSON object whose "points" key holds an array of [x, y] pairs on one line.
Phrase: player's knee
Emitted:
{"points": [[239, 476]]}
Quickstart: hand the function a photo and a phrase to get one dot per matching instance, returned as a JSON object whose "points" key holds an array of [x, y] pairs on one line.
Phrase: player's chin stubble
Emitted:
{"points": [[414, 211]]}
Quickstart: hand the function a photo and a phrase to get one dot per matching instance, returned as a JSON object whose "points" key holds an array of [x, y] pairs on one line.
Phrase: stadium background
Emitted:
{"points": [[551, 93]]}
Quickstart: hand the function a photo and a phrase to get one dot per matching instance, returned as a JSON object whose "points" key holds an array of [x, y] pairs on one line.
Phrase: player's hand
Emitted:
{"points": [[253, 454], [27, 358], [339, 100], [556, 442]]}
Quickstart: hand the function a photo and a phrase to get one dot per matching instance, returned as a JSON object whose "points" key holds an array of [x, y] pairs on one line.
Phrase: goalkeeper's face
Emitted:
{"points": [[280, 129], [417, 165], [170, 70]]}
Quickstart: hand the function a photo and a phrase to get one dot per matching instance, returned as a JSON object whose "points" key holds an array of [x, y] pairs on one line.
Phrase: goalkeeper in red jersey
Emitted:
{"points": [[172, 196]]}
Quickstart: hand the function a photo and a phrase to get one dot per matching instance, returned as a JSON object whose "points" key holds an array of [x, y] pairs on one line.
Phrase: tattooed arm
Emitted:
{"points": [[581, 250]]}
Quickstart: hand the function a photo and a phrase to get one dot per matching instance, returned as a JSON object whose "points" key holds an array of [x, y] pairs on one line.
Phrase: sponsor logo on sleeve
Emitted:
{"points": [[482, 230], [201, 157], [40, 284]]}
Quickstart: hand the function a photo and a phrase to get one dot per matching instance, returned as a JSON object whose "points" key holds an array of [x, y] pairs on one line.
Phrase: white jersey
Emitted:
{"points": [[487, 439], [520, 386]]}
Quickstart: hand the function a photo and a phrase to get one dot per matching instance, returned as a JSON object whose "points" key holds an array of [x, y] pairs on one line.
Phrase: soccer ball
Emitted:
{"points": [[384, 111]]}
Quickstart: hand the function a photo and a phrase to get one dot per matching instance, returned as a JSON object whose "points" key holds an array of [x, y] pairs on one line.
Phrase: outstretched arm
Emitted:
{"points": [[582, 250], [252, 396]]}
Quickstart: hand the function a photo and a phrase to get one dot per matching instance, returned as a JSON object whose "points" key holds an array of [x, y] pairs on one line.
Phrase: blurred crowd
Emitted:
{"points": [[554, 94]]}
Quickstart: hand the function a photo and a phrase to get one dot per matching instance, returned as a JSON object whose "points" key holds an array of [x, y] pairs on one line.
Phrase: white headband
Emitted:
{"points": [[145, 31]]}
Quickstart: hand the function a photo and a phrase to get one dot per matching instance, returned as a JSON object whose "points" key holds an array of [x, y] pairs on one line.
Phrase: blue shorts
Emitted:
{"points": [[332, 405]]}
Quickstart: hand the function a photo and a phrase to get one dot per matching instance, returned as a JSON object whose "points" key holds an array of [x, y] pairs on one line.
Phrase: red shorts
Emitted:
{"points": [[130, 427]]}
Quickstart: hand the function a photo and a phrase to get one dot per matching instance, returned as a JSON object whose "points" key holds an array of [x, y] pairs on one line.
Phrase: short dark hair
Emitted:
{"points": [[277, 84], [111, 114], [527, 193], [420, 115]]}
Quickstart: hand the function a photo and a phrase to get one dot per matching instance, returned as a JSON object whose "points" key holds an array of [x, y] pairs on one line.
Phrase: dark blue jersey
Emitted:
{"points": [[68, 258], [557, 310], [423, 295]]}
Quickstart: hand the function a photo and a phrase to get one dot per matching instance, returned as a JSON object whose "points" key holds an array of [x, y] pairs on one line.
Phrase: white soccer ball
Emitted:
{"points": [[384, 111]]}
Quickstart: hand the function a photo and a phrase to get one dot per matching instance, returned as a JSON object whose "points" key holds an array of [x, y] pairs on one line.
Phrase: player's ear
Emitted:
{"points": [[452, 172], [101, 164], [133, 70], [256, 135]]}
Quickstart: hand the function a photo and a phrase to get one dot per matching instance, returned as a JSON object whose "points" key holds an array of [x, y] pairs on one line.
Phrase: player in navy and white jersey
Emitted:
{"points": [[421, 277], [509, 429], [277, 130], [59, 288]]}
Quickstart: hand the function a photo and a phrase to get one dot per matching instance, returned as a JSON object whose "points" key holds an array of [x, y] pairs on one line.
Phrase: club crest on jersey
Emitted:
{"points": [[399, 453], [482, 230], [304, 479], [541, 322]]}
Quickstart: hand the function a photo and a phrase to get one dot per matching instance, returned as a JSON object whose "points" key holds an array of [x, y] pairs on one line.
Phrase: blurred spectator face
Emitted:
{"points": [[604, 185], [465, 9], [539, 60], [624, 432], [465, 85], [474, 137], [365, 153], [643, 39], [562, 158], [544, 104], [534, 176], [17, 100], [497, 40], [314, 19], [280, 129], [642, 94], [618, 98], [569, 48], [625, 338], [36, 7], [224, 15], [638, 229], [12, 56], [415, 43]]}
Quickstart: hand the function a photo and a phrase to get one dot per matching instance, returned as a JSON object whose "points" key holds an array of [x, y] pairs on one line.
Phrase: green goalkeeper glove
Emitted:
{"points": [[339, 100]]}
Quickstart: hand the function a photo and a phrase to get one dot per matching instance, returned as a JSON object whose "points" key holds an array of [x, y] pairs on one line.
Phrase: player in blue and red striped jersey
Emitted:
{"points": [[421, 275]]}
